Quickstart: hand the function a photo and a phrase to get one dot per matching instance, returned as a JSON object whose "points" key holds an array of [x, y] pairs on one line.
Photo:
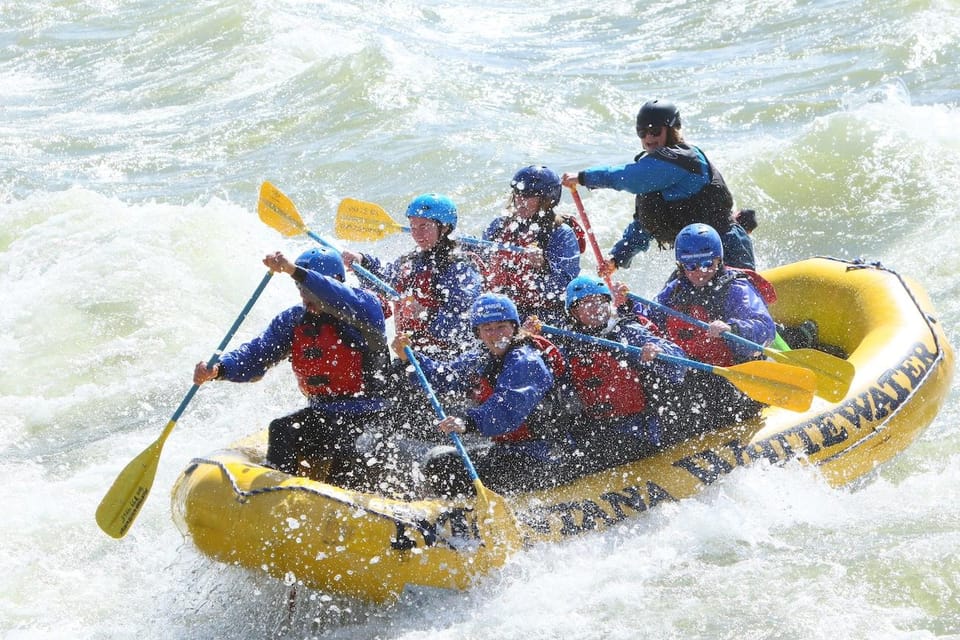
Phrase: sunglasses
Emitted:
{"points": [[703, 264], [650, 131]]}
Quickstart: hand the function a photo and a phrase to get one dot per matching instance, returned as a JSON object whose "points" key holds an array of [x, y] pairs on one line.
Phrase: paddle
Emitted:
{"points": [[772, 383], [123, 501], [833, 374], [360, 221], [278, 211], [498, 514], [598, 254]]}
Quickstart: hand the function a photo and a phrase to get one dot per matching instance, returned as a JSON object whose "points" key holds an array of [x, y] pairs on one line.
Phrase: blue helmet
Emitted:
{"points": [[657, 113], [698, 241], [322, 260], [493, 307], [434, 206], [538, 180], [583, 286]]}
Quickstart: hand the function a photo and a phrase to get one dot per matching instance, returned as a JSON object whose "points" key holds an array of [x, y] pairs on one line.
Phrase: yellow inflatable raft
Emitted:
{"points": [[341, 541]]}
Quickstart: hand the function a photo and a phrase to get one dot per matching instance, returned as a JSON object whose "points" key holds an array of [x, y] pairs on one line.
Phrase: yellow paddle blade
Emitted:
{"points": [[363, 221], [278, 211], [122, 502], [498, 526], [833, 374], [780, 385]]}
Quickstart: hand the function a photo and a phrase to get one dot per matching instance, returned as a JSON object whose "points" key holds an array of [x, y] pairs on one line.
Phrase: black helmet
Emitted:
{"points": [[657, 113]]}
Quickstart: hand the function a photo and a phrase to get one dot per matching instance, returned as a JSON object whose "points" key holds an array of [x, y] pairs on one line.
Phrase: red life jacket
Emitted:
{"points": [[422, 287], [578, 231], [607, 386], [513, 273], [488, 381], [647, 324], [418, 286], [326, 365], [763, 286], [696, 342], [550, 354]]}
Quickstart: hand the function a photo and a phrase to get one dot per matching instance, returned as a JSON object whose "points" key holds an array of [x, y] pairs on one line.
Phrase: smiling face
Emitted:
{"points": [[496, 336], [698, 274], [653, 138], [526, 207], [425, 232], [309, 300], [592, 311]]}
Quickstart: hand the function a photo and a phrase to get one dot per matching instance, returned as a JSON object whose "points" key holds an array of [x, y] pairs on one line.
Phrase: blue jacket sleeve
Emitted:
{"points": [[248, 362], [649, 174], [493, 230], [374, 266], [748, 316], [453, 376], [522, 384], [350, 302], [635, 239], [563, 262], [459, 286]]}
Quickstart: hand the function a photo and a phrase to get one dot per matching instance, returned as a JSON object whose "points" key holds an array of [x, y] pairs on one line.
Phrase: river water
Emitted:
{"points": [[134, 137]]}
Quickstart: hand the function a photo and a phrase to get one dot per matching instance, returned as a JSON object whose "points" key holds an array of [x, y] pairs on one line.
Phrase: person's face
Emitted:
{"points": [[526, 207], [592, 311], [425, 232], [699, 272], [496, 336], [653, 138], [308, 299]]}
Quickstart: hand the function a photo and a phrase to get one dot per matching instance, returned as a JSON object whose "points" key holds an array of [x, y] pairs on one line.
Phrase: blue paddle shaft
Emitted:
{"points": [[480, 242], [457, 442], [683, 362], [359, 270], [726, 335], [215, 358], [412, 358]]}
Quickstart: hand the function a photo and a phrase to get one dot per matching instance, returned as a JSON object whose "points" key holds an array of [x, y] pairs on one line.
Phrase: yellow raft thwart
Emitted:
{"points": [[341, 541]]}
